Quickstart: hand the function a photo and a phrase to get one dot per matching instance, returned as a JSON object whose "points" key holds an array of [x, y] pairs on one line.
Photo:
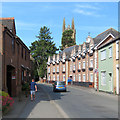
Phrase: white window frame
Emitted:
{"points": [[57, 77], [79, 65], [53, 77], [103, 54], [63, 68], [53, 69], [91, 80], [103, 78], [84, 64], [49, 70], [74, 67], [73, 77], [57, 68], [71, 68], [117, 49], [84, 77], [91, 65], [63, 77], [110, 52]]}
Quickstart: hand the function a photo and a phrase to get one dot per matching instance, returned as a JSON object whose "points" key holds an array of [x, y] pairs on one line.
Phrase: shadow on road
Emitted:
{"points": [[43, 95]]}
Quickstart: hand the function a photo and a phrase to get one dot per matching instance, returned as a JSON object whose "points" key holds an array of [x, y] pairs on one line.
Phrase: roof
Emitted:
{"points": [[110, 42], [9, 23], [104, 34]]}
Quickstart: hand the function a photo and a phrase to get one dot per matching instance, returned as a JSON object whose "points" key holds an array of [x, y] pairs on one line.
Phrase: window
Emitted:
{"points": [[117, 50], [74, 67], [22, 75], [91, 78], [84, 78], [103, 78], [63, 77], [63, 57], [64, 68], [48, 70], [54, 77], [110, 52], [18, 48], [25, 54], [13, 45], [74, 78], [57, 77], [53, 69], [70, 68], [22, 52], [84, 64], [79, 65], [103, 54], [57, 68], [79, 77], [91, 63]]}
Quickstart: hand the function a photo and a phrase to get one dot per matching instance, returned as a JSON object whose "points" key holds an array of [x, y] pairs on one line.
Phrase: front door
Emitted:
{"points": [[9, 78], [110, 82]]}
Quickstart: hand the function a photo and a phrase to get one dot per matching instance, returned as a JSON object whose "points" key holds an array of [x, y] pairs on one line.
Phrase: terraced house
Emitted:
{"points": [[80, 62], [109, 73], [15, 58]]}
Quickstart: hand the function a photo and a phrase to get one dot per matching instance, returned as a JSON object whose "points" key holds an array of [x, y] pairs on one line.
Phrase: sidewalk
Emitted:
{"points": [[17, 107], [42, 107]]}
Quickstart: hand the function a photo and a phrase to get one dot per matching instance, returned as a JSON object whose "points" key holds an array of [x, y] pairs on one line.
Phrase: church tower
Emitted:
{"points": [[63, 25], [74, 31], [64, 28]]}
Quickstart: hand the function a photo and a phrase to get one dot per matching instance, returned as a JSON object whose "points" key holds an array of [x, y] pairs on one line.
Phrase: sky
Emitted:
{"points": [[93, 17]]}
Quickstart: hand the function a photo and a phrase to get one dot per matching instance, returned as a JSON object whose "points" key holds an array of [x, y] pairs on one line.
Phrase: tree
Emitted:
{"points": [[67, 39], [41, 49]]}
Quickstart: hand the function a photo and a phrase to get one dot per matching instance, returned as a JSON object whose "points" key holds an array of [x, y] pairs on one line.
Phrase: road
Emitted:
{"points": [[82, 103], [77, 102]]}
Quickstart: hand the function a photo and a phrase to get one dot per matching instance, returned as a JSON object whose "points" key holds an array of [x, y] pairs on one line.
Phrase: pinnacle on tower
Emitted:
{"points": [[73, 25], [63, 24]]}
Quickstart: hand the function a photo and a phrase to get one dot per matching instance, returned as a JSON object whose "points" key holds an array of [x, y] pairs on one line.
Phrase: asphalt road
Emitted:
{"points": [[83, 103]]}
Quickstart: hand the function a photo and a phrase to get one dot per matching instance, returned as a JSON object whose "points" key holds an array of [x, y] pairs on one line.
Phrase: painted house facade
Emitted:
{"points": [[109, 72]]}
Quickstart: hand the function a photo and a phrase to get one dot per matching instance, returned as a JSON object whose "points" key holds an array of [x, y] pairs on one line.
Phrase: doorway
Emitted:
{"points": [[9, 78]]}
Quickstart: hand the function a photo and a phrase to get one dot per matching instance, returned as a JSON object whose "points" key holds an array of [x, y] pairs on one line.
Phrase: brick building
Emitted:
{"points": [[15, 58], [80, 61]]}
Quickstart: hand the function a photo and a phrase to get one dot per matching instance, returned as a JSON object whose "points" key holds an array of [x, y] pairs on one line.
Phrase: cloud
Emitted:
{"points": [[85, 12], [87, 6], [86, 9], [26, 26]]}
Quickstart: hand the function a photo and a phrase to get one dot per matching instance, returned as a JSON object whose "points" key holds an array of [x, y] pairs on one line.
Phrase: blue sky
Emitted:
{"points": [[93, 17]]}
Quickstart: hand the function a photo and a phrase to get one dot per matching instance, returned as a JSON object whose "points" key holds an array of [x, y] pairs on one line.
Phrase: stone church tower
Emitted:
{"points": [[70, 28]]}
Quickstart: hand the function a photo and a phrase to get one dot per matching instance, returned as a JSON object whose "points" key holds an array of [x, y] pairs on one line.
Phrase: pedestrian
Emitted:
{"points": [[33, 89]]}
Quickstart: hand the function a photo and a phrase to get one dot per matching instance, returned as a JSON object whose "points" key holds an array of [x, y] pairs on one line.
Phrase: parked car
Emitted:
{"points": [[59, 86]]}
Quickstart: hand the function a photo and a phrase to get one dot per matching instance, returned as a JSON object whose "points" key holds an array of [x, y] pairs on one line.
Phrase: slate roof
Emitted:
{"points": [[68, 51], [104, 34], [8, 22]]}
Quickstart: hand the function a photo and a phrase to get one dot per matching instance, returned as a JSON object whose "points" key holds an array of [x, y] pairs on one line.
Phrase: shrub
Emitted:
{"points": [[5, 101], [25, 87]]}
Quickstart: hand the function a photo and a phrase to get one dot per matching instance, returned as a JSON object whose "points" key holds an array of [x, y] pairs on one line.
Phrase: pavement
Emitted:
{"points": [[42, 107]]}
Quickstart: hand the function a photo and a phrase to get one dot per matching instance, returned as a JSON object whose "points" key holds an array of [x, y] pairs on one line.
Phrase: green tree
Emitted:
{"points": [[67, 39], [41, 49]]}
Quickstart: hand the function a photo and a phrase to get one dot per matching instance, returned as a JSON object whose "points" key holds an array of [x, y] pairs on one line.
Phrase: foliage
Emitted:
{"points": [[67, 39], [41, 49], [25, 87], [5, 101]]}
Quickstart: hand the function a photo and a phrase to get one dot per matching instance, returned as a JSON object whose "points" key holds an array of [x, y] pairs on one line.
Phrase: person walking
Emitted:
{"points": [[33, 89]]}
